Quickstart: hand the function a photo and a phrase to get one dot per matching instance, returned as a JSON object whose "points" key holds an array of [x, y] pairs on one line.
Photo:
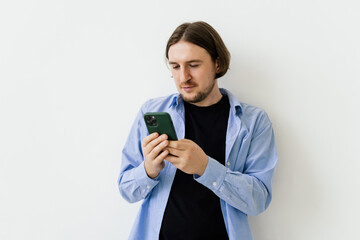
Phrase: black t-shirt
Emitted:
{"points": [[193, 211]]}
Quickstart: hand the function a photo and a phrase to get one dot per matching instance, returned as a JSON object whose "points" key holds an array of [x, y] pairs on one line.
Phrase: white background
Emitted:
{"points": [[74, 73]]}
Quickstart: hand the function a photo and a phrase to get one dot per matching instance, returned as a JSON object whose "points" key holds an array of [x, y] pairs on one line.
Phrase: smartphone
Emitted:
{"points": [[161, 123]]}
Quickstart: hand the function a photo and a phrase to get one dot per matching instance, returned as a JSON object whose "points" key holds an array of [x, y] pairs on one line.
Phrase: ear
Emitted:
{"points": [[217, 65]]}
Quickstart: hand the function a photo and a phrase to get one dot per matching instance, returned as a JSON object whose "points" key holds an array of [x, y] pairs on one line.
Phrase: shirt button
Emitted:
{"points": [[214, 184], [148, 187], [228, 163]]}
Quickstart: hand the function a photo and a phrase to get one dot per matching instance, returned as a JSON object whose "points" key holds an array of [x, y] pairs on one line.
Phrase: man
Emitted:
{"points": [[204, 185]]}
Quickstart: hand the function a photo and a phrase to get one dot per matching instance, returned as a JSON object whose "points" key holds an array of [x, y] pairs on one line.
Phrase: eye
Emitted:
{"points": [[194, 65], [175, 66]]}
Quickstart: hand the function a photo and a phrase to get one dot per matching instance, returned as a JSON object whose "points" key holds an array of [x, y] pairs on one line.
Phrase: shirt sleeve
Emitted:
{"points": [[248, 190], [134, 184]]}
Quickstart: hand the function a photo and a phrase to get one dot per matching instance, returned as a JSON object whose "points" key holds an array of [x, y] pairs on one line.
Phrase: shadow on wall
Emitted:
{"points": [[294, 190], [298, 195]]}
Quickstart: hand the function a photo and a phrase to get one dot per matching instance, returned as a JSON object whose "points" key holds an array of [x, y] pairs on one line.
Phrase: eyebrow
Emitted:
{"points": [[191, 61]]}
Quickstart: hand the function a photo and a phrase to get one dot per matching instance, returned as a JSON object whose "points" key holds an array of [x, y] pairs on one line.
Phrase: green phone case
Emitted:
{"points": [[161, 123]]}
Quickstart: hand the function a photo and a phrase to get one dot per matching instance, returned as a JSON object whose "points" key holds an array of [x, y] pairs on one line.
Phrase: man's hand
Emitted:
{"points": [[153, 147], [187, 156]]}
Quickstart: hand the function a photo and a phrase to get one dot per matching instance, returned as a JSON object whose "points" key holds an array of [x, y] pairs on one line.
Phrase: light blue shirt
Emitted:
{"points": [[243, 184]]}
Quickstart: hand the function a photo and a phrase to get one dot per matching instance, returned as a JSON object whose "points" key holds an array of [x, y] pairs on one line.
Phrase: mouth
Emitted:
{"points": [[187, 88]]}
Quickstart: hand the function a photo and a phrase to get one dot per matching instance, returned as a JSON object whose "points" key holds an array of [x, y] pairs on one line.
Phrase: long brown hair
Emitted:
{"points": [[202, 34]]}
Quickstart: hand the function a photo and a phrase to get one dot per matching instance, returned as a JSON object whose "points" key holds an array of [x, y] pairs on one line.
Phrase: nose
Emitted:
{"points": [[184, 74]]}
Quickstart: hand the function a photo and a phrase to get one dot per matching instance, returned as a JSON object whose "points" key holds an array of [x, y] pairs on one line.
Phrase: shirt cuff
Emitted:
{"points": [[213, 176], [143, 180]]}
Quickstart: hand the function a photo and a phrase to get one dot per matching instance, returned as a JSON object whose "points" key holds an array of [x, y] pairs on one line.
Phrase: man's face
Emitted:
{"points": [[194, 73]]}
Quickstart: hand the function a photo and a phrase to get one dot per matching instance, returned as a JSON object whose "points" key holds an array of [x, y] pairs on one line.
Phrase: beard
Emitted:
{"points": [[201, 95]]}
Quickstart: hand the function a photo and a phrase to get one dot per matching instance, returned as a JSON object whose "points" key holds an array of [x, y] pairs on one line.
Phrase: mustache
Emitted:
{"points": [[188, 84]]}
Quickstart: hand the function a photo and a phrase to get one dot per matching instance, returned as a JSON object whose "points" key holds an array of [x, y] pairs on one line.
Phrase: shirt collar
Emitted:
{"points": [[234, 103], [176, 101]]}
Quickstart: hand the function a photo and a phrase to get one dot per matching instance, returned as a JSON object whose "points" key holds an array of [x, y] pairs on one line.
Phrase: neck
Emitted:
{"points": [[213, 97]]}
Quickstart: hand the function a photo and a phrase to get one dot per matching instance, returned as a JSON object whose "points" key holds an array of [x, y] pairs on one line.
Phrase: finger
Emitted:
{"points": [[158, 149], [157, 141], [172, 159], [149, 138], [153, 143], [160, 158], [174, 151], [180, 145]]}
